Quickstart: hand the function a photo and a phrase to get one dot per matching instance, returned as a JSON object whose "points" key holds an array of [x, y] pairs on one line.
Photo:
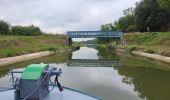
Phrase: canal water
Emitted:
{"points": [[106, 74]]}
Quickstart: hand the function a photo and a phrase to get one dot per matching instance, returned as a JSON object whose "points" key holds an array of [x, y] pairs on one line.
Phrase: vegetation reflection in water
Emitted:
{"points": [[137, 77]]}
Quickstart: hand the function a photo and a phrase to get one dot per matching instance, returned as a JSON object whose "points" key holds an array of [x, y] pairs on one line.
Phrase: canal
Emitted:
{"points": [[107, 74]]}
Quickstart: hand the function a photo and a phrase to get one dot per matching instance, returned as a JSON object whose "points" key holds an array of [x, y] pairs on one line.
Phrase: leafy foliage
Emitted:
{"points": [[107, 27], [148, 15], [4, 27], [26, 31], [164, 4]]}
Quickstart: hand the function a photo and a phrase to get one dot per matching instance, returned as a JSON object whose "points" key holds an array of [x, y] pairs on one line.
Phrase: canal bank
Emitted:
{"points": [[154, 45], [16, 59], [21, 45], [148, 55], [153, 56]]}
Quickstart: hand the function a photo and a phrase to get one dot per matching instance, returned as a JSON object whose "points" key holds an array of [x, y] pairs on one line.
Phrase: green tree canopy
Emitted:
{"points": [[107, 27], [149, 14], [4, 27], [26, 30], [164, 4], [154, 14]]}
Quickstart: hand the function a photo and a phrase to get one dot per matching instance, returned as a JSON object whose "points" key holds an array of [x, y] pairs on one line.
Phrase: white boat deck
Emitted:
{"points": [[67, 94]]}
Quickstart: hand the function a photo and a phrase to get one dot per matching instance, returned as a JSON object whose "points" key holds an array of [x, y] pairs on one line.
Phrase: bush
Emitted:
{"points": [[6, 29], [131, 48], [52, 49], [149, 50], [26, 30]]}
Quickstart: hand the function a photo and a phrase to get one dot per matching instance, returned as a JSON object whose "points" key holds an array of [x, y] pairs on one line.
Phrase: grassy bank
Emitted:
{"points": [[155, 42], [18, 45]]}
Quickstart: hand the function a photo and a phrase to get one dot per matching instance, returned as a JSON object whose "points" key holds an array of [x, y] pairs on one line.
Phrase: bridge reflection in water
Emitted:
{"points": [[93, 63]]}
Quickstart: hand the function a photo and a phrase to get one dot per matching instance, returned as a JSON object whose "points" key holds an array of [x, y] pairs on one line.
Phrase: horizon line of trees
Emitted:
{"points": [[7, 29], [148, 15]]}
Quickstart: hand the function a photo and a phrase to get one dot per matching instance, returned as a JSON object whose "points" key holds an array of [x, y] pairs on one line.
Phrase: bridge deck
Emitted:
{"points": [[93, 34]]}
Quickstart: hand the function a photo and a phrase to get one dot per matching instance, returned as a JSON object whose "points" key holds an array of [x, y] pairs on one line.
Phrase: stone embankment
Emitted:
{"points": [[16, 59], [148, 55], [153, 56]]}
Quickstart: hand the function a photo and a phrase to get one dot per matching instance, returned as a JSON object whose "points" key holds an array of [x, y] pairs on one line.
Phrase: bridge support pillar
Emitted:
{"points": [[69, 41], [119, 41]]}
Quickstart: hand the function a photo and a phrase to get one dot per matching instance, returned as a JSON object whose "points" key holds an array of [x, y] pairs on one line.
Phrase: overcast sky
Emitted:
{"points": [[63, 15]]}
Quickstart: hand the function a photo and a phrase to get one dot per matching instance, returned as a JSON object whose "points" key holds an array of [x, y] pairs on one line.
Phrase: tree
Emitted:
{"points": [[164, 4], [154, 14], [127, 22], [148, 13], [107, 27], [26, 30], [4, 27]]}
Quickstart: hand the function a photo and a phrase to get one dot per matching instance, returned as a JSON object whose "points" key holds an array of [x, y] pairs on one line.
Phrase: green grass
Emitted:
{"points": [[156, 42], [18, 45]]}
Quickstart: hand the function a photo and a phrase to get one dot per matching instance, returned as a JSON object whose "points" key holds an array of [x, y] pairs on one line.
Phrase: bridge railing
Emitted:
{"points": [[93, 34]]}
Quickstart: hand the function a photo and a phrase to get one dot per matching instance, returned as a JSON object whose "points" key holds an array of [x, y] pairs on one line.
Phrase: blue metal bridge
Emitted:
{"points": [[93, 34]]}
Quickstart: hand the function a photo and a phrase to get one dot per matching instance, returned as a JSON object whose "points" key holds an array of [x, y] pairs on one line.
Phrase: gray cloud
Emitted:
{"points": [[63, 15]]}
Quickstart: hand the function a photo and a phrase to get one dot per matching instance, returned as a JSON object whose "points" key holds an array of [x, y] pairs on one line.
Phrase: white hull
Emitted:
{"points": [[67, 94]]}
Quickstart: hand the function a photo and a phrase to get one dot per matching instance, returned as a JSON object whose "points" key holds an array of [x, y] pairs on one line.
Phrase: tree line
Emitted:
{"points": [[148, 15], [7, 29]]}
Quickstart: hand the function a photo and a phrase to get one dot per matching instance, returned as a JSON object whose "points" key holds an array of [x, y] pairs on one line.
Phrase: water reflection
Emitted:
{"points": [[150, 79], [93, 56], [85, 53], [92, 63], [152, 84]]}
